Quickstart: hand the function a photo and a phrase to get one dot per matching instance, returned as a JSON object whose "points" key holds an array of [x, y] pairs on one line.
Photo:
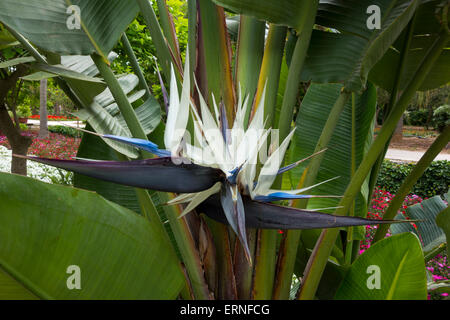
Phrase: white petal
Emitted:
{"points": [[178, 116], [199, 198], [297, 191], [270, 169]]}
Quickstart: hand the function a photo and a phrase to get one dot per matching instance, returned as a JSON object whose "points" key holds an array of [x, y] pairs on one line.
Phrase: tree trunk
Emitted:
{"points": [[398, 134], [43, 128], [19, 144]]}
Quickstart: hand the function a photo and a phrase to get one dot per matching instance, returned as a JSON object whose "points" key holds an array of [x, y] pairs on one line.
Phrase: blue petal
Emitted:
{"points": [[234, 173], [141, 144], [277, 196]]}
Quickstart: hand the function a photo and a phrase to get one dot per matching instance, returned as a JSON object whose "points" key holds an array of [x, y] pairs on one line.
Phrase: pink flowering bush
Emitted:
{"points": [[438, 266], [57, 146]]}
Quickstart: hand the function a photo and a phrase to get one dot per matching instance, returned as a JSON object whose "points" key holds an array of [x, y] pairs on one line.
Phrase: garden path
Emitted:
{"points": [[406, 155]]}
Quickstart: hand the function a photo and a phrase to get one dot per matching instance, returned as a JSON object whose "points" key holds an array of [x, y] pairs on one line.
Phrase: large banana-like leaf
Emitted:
{"points": [[101, 111], [429, 232], [10, 289], [425, 30], [120, 254], [285, 12], [6, 39], [337, 161], [95, 27], [216, 51], [392, 269], [443, 221], [349, 55]]}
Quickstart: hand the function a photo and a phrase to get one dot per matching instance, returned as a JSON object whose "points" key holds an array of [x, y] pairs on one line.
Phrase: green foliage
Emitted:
{"points": [[416, 117], [441, 117], [23, 111], [435, 180], [144, 48], [392, 269], [67, 131]]}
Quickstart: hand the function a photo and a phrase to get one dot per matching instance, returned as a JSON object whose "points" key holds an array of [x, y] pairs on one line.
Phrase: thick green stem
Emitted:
{"points": [[392, 101], [169, 31], [265, 261], [162, 49], [269, 75], [121, 98], [324, 245], [288, 251], [249, 55], [349, 245], [182, 234], [135, 65], [217, 56], [411, 179], [192, 36], [295, 70]]}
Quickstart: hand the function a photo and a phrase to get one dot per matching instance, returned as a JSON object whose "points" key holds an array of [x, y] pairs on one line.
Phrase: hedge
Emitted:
{"points": [[434, 181]]}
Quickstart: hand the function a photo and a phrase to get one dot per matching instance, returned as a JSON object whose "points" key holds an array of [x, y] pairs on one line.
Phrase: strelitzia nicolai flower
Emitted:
{"points": [[218, 173]]}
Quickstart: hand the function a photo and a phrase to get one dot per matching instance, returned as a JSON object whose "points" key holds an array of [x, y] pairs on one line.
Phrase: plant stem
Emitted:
{"points": [[265, 259], [349, 246], [249, 55], [295, 70], [392, 101], [439, 143], [192, 35], [269, 75], [169, 31], [324, 245], [217, 56], [135, 65], [162, 49]]}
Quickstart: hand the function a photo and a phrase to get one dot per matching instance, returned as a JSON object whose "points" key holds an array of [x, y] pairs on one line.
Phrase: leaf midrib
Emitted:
{"points": [[396, 277]]}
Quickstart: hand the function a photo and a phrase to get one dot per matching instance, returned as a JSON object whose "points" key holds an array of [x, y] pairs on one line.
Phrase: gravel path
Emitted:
{"points": [[405, 155]]}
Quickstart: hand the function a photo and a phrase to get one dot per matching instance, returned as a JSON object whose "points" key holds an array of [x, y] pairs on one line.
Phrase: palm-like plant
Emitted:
{"points": [[216, 172]]}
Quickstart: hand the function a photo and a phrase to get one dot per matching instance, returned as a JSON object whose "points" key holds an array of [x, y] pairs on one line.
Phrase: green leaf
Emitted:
{"points": [[311, 119], [15, 62], [348, 56], [425, 30], [443, 221], [120, 254], [401, 267], [285, 12], [101, 23], [428, 231], [38, 76], [10, 289]]}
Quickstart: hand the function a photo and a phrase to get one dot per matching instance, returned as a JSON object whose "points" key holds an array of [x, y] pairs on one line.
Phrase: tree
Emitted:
{"points": [[10, 86], [43, 128]]}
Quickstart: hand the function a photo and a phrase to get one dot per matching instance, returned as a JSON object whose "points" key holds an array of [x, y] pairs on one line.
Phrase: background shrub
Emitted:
{"points": [[441, 117], [434, 181], [66, 131], [416, 117]]}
